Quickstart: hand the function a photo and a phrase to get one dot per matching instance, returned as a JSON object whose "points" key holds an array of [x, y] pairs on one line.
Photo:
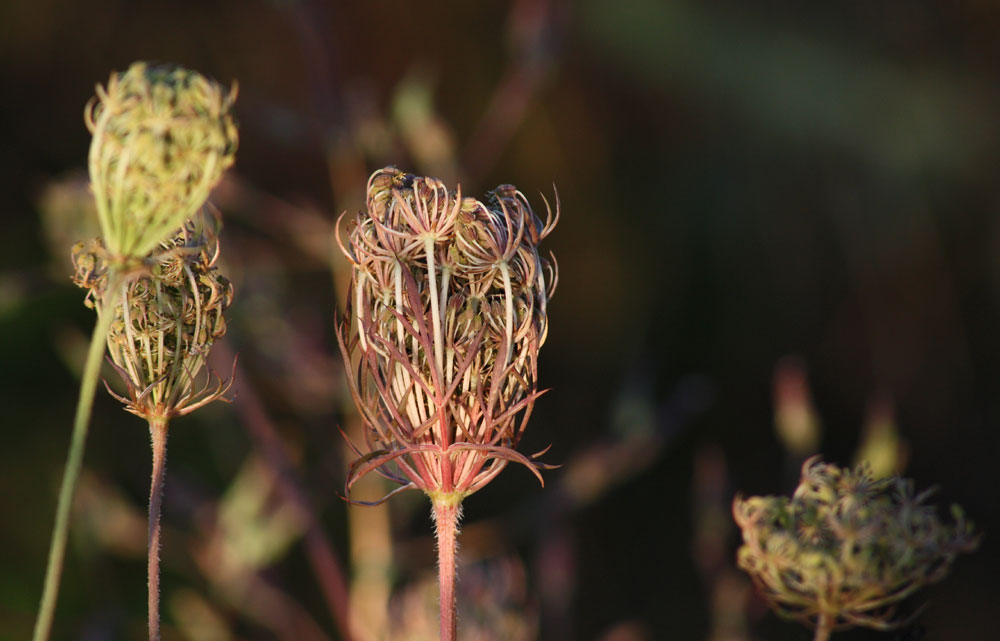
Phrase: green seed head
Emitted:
{"points": [[162, 137]]}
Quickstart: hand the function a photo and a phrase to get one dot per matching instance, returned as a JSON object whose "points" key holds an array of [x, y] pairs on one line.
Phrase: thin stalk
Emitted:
{"points": [[824, 627], [509, 312], [447, 511], [435, 311], [158, 434], [74, 460]]}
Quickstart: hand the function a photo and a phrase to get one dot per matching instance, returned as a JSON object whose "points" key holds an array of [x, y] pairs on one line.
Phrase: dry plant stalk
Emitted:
{"points": [[847, 547], [446, 314], [160, 336], [162, 136]]}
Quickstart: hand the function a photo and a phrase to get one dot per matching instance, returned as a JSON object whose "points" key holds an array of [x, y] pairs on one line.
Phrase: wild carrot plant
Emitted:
{"points": [[847, 547], [446, 314], [166, 321], [162, 137]]}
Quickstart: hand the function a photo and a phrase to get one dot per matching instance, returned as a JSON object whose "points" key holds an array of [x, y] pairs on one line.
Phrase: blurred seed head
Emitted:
{"points": [[166, 320], [882, 447], [495, 604], [67, 213], [162, 137], [847, 546], [446, 316], [795, 419]]}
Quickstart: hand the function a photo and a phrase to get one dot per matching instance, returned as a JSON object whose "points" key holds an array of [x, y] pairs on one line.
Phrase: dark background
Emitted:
{"points": [[746, 188]]}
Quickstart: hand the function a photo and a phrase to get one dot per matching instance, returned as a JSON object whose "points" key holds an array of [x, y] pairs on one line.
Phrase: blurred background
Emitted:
{"points": [[779, 236]]}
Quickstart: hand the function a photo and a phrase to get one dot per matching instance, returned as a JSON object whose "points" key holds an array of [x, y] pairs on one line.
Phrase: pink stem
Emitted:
{"points": [[158, 432], [447, 511]]}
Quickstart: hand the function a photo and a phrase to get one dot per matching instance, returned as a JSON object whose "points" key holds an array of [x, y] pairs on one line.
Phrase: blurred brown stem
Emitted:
{"points": [[158, 433], [323, 561], [534, 24], [507, 108]]}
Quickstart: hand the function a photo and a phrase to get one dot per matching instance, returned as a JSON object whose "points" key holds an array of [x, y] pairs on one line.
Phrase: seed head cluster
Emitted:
{"points": [[162, 137], [446, 316], [165, 321], [846, 547]]}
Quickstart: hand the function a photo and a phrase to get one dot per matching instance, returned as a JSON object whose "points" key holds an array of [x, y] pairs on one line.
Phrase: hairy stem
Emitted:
{"points": [[158, 434], [74, 460], [447, 511]]}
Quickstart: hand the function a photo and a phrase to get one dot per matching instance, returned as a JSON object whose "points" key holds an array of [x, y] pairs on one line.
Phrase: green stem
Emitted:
{"points": [[158, 433], [81, 422], [447, 511]]}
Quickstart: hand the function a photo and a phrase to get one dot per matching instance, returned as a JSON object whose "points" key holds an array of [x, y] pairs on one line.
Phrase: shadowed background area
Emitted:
{"points": [[779, 236]]}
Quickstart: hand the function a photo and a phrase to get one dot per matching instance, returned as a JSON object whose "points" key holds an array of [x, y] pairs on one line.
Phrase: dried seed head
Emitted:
{"points": [[446, 316], [846, 547], [162, 137], [166, 321]]}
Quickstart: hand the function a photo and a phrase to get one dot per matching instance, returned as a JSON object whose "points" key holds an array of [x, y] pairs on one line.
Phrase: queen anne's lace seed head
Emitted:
{"points": [[162, 137], [847, 547], [446, 316], [165, 322]]}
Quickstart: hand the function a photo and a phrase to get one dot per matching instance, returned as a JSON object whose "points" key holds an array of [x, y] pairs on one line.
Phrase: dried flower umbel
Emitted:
{"points": [[445, 319], [162, 328], [162, 137], [846, 548], [165, 322]]}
